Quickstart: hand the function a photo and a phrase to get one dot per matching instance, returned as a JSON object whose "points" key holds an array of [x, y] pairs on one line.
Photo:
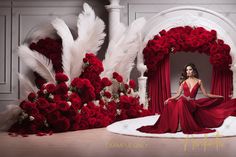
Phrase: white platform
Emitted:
{"points": [[128, 127]]}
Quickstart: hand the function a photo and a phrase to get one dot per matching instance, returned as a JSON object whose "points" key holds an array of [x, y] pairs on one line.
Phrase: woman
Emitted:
{"points": [[184, 113]]}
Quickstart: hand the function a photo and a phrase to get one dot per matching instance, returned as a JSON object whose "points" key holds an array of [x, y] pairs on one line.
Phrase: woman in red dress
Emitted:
{"points": [[185, 113]]}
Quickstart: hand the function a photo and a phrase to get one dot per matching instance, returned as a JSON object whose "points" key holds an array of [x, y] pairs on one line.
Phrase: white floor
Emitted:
{"points": [[128, 127]]}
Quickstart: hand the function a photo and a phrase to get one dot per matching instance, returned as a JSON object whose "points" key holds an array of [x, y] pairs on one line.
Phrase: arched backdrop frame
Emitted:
{"points": [[195, 16]]}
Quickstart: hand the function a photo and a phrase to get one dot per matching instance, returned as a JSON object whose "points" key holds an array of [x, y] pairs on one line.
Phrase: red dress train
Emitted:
{"points": [[194, 116]]}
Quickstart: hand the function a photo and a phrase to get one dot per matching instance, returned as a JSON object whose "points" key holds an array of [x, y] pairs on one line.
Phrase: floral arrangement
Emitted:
{"points": [[74, 89], [87, 102], [188, 39]]}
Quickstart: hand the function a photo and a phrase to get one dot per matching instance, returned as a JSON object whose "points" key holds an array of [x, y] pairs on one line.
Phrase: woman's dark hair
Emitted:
{"points": [[184, 73]]}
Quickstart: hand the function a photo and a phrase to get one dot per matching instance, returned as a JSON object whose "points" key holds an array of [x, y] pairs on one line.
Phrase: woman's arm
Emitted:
{"points": [[176, 95], [207, 94]]}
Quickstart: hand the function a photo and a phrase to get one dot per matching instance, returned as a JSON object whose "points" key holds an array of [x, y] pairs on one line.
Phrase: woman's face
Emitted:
{"points": [[189, 71]]}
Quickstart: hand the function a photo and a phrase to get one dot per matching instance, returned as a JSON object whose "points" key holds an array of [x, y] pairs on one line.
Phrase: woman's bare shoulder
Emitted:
{"points": [[182, 83], [199, 81]]}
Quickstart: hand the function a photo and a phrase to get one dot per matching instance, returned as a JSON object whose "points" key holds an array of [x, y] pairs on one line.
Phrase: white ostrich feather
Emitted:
{"points": [[122, 52], [114, 52], [90, 38], [90, 30], [140, 61], [120, 29], [67, 42], [9, 116], [126, 65], [41, 32], [26, 85], [37, 62], [135, 27]]}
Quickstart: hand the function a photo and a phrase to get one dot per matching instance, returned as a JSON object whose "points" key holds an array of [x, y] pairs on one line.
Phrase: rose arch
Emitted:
{"points": [[189, 29]]}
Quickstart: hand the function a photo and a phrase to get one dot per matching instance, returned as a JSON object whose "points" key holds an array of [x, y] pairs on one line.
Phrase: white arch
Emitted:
{"points": [[195, 16]]}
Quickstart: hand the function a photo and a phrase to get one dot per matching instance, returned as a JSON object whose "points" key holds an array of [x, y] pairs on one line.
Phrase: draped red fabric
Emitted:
{"points": [[159, 86], [222, 83], [194, 116]]}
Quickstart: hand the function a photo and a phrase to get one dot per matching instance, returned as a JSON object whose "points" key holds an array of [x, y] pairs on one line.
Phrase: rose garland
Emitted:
{"points": [[187, 39], [84, 104]]}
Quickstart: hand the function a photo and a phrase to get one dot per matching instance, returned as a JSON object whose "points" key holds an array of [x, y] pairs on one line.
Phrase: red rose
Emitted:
{"points": [[163, 32], [126, 86], [75, 126], [92, 122], [94, 64], [111, 108], [76, 102], [83, 125], [106, 82], [106, 121], [27, 105], [39, 82], [144, 113], [61, 125], [39, 119], [52, 107], [98, 123], [85, 112], [107, 94], [132, 84], [85, 60], [54, 116], [119, 78], [84, 89], [61, 77], [122, 116], [61, 88], [77, 118], [132, 113], [63, 106], [50, 88], [33, 128], [115, 74], [32, 97], [42, 103]]}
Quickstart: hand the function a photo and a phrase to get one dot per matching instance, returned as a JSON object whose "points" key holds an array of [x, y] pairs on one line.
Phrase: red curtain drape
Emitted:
{"points": [[159, 86], [222, 83]]}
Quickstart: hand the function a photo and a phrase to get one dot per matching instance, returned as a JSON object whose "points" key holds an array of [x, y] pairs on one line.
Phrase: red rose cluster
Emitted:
{"points": [[92, 69], [219, 55], [86, 103], [52, 49], [188, 39]]}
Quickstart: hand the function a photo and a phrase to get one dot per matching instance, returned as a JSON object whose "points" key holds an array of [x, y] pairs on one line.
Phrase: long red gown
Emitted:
{"points": [[194, 116]]}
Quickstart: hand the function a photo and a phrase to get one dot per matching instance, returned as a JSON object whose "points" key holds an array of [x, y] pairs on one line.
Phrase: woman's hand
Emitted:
{"points": [[166, 101]]}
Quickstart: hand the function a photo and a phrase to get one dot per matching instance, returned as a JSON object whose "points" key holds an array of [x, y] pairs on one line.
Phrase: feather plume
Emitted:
{"points": [[67, 42], [40, 32], [26, 85], [122, 53], [90, 30], [127, 63], [77, 62], [90, 38], [37, 62], [140, 61], [112, 58], [9, 116], [114, 54]]}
